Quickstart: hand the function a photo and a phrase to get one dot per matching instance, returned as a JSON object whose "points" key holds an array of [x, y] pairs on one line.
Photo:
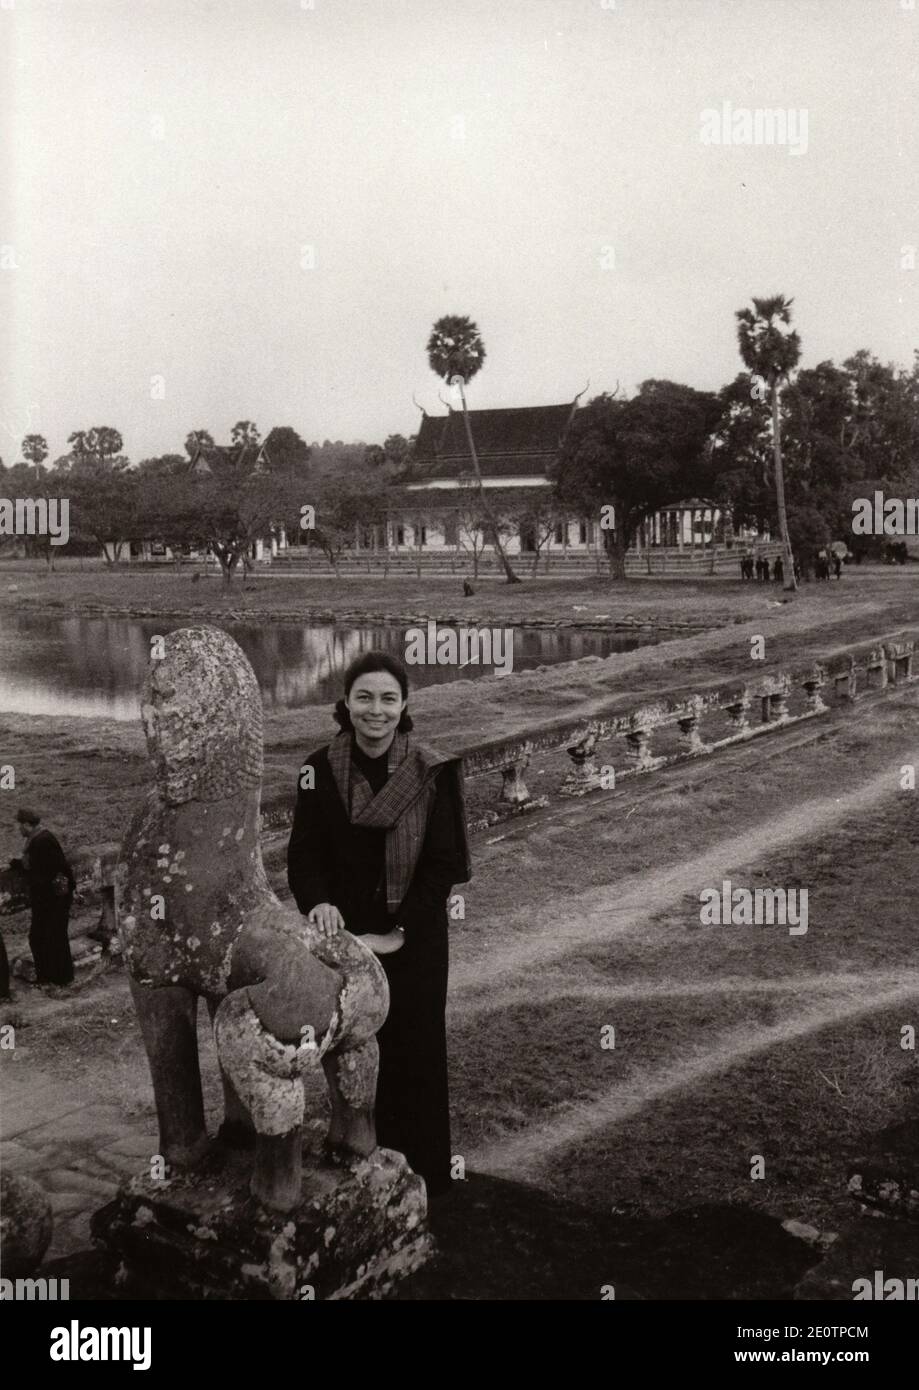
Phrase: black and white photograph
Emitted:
{"points": [[459, 669]]}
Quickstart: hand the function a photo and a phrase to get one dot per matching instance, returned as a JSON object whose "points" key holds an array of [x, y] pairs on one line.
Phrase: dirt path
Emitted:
{"points": [[553, 983], [627, 906], [525, 1153], [529, 968]]}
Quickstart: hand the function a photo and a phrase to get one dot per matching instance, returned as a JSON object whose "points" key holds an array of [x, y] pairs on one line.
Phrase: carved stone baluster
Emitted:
{"points": [[877, 669], [737, 712], [584, 774], [899, 662], [813, 683], [514, 790], [689, 728], [639, 740], [845, 682], [778, 705], [774, 695]]}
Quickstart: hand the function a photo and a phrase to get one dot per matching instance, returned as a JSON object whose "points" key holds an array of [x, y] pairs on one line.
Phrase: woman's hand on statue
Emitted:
{"points": [[383, 944], [327, 918]]}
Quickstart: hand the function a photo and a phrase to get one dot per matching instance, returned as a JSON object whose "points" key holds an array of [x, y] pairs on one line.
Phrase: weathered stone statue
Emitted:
{"points": [[199, 919]]}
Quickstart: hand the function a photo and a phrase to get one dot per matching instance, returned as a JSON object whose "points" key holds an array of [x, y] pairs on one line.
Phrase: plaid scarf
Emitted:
{"points": [[401, 807]]}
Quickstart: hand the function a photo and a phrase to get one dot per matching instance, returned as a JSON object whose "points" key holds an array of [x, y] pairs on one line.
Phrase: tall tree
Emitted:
{"points": [[245, 494], [771, 350], [244, 433], [344, 503], [104, 502], [456, 353], [100, 446], [633, 456], [287, 451], [167, 502], [35, 450], [393, 458], [742, 455]]}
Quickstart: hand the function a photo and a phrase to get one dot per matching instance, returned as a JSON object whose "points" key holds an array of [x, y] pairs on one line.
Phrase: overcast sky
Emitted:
{"points": [[266, 205]]}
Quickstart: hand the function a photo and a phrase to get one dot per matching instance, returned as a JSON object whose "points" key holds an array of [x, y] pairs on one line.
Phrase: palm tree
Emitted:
{"points": [[771, 353], [35, 450], [455, 353]]}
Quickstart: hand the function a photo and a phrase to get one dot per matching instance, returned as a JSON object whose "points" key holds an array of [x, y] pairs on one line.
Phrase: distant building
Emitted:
{"points": [[439, 514], [515, 448]]}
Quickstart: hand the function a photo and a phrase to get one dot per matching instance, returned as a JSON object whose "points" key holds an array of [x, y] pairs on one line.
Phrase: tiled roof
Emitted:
{"points": [[520, 441], [492, 466]]}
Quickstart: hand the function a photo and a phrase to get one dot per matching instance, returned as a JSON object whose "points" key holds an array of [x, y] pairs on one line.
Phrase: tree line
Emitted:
{"points": [[786, 449]]}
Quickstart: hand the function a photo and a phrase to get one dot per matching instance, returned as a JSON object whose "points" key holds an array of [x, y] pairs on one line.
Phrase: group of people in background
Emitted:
{"points": [[824, 562], [759, 568]]}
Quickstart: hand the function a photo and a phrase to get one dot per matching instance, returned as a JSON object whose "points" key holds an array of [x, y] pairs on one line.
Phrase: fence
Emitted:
{"points": [[668, 561]]}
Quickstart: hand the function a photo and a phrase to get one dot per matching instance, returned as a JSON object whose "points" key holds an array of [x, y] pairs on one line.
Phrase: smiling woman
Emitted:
{"points": [[378, 840]]}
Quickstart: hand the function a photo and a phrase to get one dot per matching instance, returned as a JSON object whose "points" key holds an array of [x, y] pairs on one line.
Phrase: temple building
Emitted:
{"points": [[515, 448]]}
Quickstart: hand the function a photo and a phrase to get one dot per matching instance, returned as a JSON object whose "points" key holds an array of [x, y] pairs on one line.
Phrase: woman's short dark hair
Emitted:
{"points": [[363, 665]]}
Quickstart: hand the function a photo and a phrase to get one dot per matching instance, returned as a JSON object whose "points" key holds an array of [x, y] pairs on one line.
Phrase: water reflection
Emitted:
{"points": [[96, 666]]}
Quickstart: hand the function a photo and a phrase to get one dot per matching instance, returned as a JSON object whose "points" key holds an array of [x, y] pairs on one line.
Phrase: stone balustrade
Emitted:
{"points": [[690, 725], [604, 746]]}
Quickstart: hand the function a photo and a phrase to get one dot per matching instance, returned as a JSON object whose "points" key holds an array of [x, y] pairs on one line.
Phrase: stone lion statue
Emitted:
{"points": [[198, 918]]}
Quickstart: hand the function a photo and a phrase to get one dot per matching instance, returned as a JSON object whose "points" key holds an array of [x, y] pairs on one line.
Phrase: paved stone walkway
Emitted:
{"points": [[77, 1145]]}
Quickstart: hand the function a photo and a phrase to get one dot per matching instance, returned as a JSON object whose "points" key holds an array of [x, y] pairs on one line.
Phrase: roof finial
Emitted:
{"points": [[574, 406]]}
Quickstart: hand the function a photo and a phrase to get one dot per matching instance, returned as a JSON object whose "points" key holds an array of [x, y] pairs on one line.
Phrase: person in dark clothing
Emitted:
{"points": [[378, 840], [51, 889], [4, 971], [778, 570], [837, 565]]}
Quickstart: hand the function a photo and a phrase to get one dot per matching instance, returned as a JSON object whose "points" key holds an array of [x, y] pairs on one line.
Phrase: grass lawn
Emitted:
{"points": [[703, 602]]}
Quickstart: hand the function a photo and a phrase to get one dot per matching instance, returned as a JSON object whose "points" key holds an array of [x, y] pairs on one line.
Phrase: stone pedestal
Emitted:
{"points": [[360, 1229]]}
